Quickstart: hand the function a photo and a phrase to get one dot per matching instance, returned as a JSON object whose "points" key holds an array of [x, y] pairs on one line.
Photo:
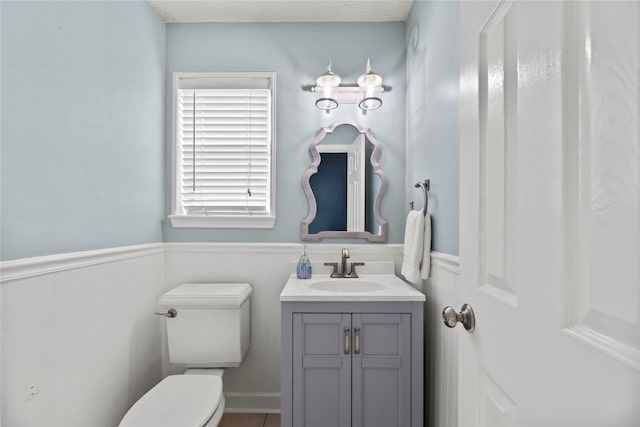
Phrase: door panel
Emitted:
{"points": [[498, 196], [322, 370], [550, 213], [382, 370], [602, 181]]}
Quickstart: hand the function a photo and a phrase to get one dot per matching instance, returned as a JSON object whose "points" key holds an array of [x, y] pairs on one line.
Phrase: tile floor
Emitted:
{"points": [[250, 420]]}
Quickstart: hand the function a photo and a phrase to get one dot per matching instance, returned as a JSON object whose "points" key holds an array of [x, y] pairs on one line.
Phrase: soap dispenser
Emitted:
{"points": [[304, 266]]}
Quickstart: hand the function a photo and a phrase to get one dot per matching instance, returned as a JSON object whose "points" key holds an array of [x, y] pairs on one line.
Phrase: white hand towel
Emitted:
{"points": [[425, 266], [413, 246]]}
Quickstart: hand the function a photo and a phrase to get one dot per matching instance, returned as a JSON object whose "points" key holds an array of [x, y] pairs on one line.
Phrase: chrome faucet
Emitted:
{"points": [[345, 255], [343, 264]]}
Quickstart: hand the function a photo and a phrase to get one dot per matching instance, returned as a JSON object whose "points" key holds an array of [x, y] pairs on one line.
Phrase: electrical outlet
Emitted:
{"points": [[31, 392]]}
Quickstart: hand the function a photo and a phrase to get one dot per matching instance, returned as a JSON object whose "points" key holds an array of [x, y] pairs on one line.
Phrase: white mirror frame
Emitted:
{"points": [[381, 236]]}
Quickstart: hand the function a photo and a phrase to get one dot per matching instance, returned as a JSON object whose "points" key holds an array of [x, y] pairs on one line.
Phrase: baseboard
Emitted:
{"points": [[261, 403]]}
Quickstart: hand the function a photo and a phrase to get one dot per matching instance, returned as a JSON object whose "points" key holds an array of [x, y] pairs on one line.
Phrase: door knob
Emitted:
{"points": [[466, 317]]}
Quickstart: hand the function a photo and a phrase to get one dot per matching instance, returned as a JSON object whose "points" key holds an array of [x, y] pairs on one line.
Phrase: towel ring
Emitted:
{"points": [[426, 185]]}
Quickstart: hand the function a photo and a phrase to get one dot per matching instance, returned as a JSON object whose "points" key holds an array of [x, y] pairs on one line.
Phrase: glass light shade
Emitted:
{"points": [[329, 78], [370, 101], [369, 78], [326, 103], [326, 100]]}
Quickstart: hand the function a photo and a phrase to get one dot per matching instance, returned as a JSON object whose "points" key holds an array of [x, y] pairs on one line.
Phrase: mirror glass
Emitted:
{"points": [[344, 185]]}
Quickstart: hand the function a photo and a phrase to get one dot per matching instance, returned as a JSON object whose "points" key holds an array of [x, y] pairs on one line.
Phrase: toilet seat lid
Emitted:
{"points": [[177, 401]]}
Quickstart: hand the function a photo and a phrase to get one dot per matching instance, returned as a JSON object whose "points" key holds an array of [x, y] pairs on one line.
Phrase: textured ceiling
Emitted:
{"points": [[282, 11]]}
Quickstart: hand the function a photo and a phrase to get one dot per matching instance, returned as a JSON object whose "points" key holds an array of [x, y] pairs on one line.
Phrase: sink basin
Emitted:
{"points": [[346, 285], [377, 282]]}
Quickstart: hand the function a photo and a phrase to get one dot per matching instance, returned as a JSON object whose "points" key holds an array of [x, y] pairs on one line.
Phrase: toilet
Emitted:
{"points": [[209, 332]]}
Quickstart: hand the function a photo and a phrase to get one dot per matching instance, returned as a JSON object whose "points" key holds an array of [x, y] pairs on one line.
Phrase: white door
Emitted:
{"points": [[355, 153], [356, 185], [550, 213]]}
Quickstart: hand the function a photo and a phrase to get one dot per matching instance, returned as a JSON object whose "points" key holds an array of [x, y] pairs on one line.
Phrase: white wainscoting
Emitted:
{"points": [[80, 343], [441, 353], [80, 327]]}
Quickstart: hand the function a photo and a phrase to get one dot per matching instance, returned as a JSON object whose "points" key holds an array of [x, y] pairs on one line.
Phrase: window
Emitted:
{"points": [[224, 150]]}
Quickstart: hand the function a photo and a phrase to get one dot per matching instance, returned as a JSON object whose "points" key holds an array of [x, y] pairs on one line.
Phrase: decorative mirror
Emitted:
{"points": [[344, 185]]}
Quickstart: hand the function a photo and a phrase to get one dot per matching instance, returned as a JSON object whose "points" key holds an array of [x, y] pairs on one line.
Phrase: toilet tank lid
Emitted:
{"points": [[177, 401], [207, 295]]}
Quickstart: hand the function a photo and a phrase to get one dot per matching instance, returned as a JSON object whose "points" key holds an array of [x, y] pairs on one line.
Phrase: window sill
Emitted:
{"points": [[184, 221]]}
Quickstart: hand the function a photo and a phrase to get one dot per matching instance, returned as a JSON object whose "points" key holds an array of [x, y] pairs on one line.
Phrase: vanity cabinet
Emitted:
{"points": [[352, 364]]}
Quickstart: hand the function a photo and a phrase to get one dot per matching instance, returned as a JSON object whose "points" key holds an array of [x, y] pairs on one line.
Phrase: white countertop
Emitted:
{"points": [[391, 287]]}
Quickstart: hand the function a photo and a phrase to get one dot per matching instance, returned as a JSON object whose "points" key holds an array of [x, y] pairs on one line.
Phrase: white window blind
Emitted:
{"points": [[223, 150]]}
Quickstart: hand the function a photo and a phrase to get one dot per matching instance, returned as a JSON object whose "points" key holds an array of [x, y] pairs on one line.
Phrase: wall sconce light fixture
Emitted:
{"points": [[366, 92], [327, 84]]}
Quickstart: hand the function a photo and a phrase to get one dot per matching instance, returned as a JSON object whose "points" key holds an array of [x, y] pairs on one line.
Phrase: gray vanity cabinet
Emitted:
{"points": [[321, 369], [360, 366]]}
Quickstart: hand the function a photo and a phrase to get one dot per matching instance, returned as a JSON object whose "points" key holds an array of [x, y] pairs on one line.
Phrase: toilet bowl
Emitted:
{"points": [[179, 401], [210, 330]]}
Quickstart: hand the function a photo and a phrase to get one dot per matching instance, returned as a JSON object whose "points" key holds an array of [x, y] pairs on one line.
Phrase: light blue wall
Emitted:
{"points": [[83, 111], [432, 115], [82, 126], [298, 53]]}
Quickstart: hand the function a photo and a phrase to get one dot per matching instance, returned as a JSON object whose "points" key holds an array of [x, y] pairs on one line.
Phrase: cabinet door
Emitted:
{"points": [[381, 363], [321, 370]]}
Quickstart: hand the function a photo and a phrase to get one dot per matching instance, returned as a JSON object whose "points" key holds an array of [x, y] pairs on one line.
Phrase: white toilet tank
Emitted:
{"points": [[211, 328]]}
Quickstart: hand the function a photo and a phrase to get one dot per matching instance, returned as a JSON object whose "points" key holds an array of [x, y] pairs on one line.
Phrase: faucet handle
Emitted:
{"points": [[334, 273], [352, 272]]}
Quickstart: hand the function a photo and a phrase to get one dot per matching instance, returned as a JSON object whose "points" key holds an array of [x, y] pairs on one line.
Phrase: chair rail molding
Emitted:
{"points": [[36, 266], [446, 262]]}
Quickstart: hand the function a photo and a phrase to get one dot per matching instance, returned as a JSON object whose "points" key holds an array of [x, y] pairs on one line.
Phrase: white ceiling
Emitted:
{"points": [[282, 10]]}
